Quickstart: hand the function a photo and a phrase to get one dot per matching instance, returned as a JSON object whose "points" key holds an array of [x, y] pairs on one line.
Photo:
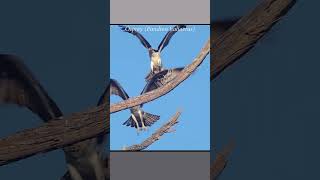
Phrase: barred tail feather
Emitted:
{"points": [[148, 120], [130, 122]]}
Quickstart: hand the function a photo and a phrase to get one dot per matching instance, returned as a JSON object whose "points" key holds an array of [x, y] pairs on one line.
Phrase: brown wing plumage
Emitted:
{"points": [[221, 160], [143, 41], [104, 97], [220, 27], [161, 78], [116, 89], [165, 41], [18, 86]]}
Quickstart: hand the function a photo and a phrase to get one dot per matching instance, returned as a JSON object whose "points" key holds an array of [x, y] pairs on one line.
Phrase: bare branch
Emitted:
{"points": [[183, 75], [166, 128], [53, 135], [241, 37]]}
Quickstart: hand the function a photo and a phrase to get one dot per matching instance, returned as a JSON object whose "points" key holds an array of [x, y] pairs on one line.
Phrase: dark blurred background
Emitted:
{"points": [[65, 44], [269, 100]]}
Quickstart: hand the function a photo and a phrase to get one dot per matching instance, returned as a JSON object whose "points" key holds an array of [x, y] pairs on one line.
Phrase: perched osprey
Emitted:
{"points": [[86, 159], [219, 27], [161, 78], [139, 118], [154, 54]]}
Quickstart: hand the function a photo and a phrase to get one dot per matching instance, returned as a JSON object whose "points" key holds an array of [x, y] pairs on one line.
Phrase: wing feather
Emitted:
{"points": [[127, 29], [104, 97], [18, 86], [116, 89], [161, 78], [165, 41]]}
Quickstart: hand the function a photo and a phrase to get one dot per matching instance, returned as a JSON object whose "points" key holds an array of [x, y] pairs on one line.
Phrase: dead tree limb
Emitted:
{"points": [[166, 128], [149, 96], [81, 126], [235, 43], [53, 135], [242, 36]]}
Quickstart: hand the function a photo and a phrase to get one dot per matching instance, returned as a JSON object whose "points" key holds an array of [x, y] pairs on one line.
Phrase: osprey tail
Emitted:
{"points": [[148, 120]]}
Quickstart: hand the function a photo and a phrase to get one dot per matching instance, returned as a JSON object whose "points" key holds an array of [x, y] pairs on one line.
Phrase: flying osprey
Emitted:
{"points": [[86, 159], [154, 54], [220, 27], [139, 118]]}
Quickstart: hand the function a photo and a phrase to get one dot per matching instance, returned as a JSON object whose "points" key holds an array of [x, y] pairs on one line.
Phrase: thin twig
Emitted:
{"points": [[166, 128]]}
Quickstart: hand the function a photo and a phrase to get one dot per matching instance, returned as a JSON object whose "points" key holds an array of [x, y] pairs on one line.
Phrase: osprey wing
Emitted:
{"points": [[161, 78], [165, 41], [18, 86], [116, 89], [143, 41]]}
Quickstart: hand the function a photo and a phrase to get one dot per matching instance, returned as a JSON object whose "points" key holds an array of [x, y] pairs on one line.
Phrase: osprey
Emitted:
{"points": [[154, 54], [139, 118], [85, 160], [161, 78]]}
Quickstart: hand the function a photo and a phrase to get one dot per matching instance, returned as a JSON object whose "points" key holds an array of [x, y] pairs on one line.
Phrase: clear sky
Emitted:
{"points": [[129, 65]]}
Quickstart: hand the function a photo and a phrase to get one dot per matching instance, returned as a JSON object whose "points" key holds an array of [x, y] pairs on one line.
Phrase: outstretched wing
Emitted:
{"points": [[161, 78], [220, 27], [168, 36], [144, 42], [18, 86], [116, 89], [104, 97]]}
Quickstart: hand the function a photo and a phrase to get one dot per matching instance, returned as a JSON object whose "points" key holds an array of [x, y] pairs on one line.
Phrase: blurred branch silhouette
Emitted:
{"points": [[241, 37], [236, 42]]}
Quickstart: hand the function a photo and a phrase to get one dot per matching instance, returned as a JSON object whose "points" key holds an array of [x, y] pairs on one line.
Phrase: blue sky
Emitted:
{"points": [[129, 65]]}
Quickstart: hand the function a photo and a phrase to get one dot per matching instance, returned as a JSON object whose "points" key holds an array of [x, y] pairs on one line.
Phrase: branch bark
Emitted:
{"points": [[235, 43], [53, 135], [242, 36], [166, 128]]}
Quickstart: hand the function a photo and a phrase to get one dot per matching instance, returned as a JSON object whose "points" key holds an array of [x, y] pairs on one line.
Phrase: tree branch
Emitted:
{"points": [[166, 128], [242, 36], [53, 135], [149, 96], [83, 125]]}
